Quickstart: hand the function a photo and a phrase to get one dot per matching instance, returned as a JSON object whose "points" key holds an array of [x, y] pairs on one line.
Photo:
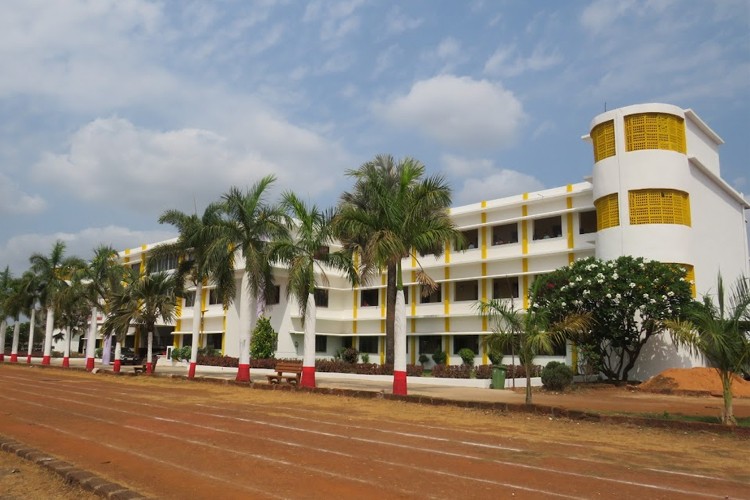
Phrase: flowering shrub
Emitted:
{"points": [[225, 361], [451, 371], [627, 298]]}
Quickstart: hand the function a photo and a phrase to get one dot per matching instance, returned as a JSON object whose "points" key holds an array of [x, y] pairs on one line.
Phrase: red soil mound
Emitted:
{"points": [[681, 380]]}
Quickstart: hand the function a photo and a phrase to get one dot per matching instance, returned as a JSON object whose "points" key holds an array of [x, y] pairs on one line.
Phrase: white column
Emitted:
{"points": [[48, 334]]}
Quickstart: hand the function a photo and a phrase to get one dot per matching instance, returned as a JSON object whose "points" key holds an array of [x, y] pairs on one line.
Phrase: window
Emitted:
{"points": [[607, 211], [587, 222], [369, 298], [190, 299], [466, 341], [549, 227], [603, 139], [406, 294], [321, 297], [507, 233], [165, 263], [467, 290], [369, 344], [136, 267], [689, 276], [654, 131], [321, 253], [274, 296], [214, 340], [559, 348], [433, 296], [213, 297], [321, 343], [659, 206], [471, 239], [505, 288], [429, 344]]}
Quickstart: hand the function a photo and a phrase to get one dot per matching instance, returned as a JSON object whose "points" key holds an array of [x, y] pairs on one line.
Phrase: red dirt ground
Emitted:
{"points": [[177, 439], [680, 380]]}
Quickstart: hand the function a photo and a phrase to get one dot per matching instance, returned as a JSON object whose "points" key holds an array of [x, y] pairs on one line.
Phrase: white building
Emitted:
{"points": [[655, 192]]}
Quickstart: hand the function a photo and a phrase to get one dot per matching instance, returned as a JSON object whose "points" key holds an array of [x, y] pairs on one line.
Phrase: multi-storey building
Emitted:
{"points": [[655, 192]]}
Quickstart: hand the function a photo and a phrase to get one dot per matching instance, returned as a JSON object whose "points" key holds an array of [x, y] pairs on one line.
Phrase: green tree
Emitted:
{"points": [[202, 260], [529, 333], [628, 300], [393, 213], [6, 289], [263, 341], [144, 300], [719, 332], [309, 229], [250, 224], [73, 314], [53, 273]]}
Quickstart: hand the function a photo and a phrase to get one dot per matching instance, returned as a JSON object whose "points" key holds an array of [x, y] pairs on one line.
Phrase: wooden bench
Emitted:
{"points": [[283, 367], [142, 369]]}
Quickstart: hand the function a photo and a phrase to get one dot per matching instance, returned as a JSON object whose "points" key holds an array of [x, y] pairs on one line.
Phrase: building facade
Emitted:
{"points": [[656, 192]]}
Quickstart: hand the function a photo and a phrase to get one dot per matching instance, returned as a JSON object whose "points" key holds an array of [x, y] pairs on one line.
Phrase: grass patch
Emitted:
{"points": [[741, 421]]}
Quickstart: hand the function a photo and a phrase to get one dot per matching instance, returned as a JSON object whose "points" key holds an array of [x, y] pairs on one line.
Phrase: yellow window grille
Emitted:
{"points": [[607, 212], [655, 131], [689, 276], [603, 138], [659, 206]]}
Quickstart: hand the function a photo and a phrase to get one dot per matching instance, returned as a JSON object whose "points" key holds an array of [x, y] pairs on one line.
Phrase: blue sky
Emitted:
{"points": [[112, 112]]}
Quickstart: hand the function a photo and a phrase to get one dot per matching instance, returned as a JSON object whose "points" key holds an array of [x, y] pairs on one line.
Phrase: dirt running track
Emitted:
{"points": [[177, 439]]}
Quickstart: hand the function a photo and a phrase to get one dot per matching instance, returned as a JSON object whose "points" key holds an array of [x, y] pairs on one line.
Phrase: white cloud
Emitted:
{"points": [[498, 184], [111, 160], [17, 250], [449, 48], [503, 63], [397, 22], [338, 19], [458, 111], [386, 59], [13, 201], [600, 14]]}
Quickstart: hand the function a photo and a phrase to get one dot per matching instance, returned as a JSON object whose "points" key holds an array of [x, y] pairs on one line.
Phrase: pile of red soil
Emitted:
{"points": [[693, 380]]}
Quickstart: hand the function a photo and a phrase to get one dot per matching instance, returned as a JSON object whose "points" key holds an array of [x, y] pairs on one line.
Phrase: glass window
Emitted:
{"points": [[214, 340], [213, 297], [549, 227], [504, 234], [322, 252], [467, 290], [274, 296], [369, 298], [369, 345], [587, 222], [321, 297], [505, 288], [190, 299], [432, 296], [429, 344], [466, 341], [321, 343]]}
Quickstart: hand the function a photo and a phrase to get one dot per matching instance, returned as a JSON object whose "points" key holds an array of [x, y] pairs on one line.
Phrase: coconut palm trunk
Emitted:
{"points": [[48, 335], [308, 359], [32, 321], [727, 413], [118, 356], [91, 341], [3, 327], [243, 369], [196, 329], [66, 351], [150, 352], [399, 345], [14, 346]]}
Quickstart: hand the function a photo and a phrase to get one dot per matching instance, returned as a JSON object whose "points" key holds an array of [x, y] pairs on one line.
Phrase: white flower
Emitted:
{"points": [[645, 295], [652, 301], [586, 292], [632, 285], [564, 304], [618, 296], [663, 297], [615, 276], [578, 278], [609, 295], [670, 293]]}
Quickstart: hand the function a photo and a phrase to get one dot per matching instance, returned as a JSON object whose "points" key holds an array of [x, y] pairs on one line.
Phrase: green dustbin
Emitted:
{"points": [[498, 377]]}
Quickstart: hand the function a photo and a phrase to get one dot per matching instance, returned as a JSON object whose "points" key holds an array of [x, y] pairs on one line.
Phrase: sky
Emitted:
{"points": [[112, 112]]}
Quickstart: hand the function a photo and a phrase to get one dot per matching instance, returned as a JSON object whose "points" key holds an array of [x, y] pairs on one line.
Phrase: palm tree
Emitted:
{"points": [[529, 333], [394, 213], [52, 271], [310, 229], [6, 289], [14, 304], [249, 224], [143, 301], [73, 314], [102, 275], [202, 260], [719, 332], [27, 298]]}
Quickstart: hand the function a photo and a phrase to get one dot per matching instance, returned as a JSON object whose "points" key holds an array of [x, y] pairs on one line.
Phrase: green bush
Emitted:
{"points": [[350, 355], [557, 376], [467, 355], [179, 353], [365, 357], [263, 342], [423, 358], [439, 357], [496, 358]]}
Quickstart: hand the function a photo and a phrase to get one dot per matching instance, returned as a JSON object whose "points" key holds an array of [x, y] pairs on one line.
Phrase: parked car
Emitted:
{"points": [[129, 357]]}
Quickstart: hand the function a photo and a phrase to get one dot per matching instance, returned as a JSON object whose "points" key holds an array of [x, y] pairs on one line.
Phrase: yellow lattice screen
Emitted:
{"points": [[690, 276], [659, 206], [607, 212], [603, 138], [655, 131]]}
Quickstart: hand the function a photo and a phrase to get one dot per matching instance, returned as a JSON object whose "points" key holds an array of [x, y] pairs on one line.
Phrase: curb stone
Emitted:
{"points": [[69, 473]]}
